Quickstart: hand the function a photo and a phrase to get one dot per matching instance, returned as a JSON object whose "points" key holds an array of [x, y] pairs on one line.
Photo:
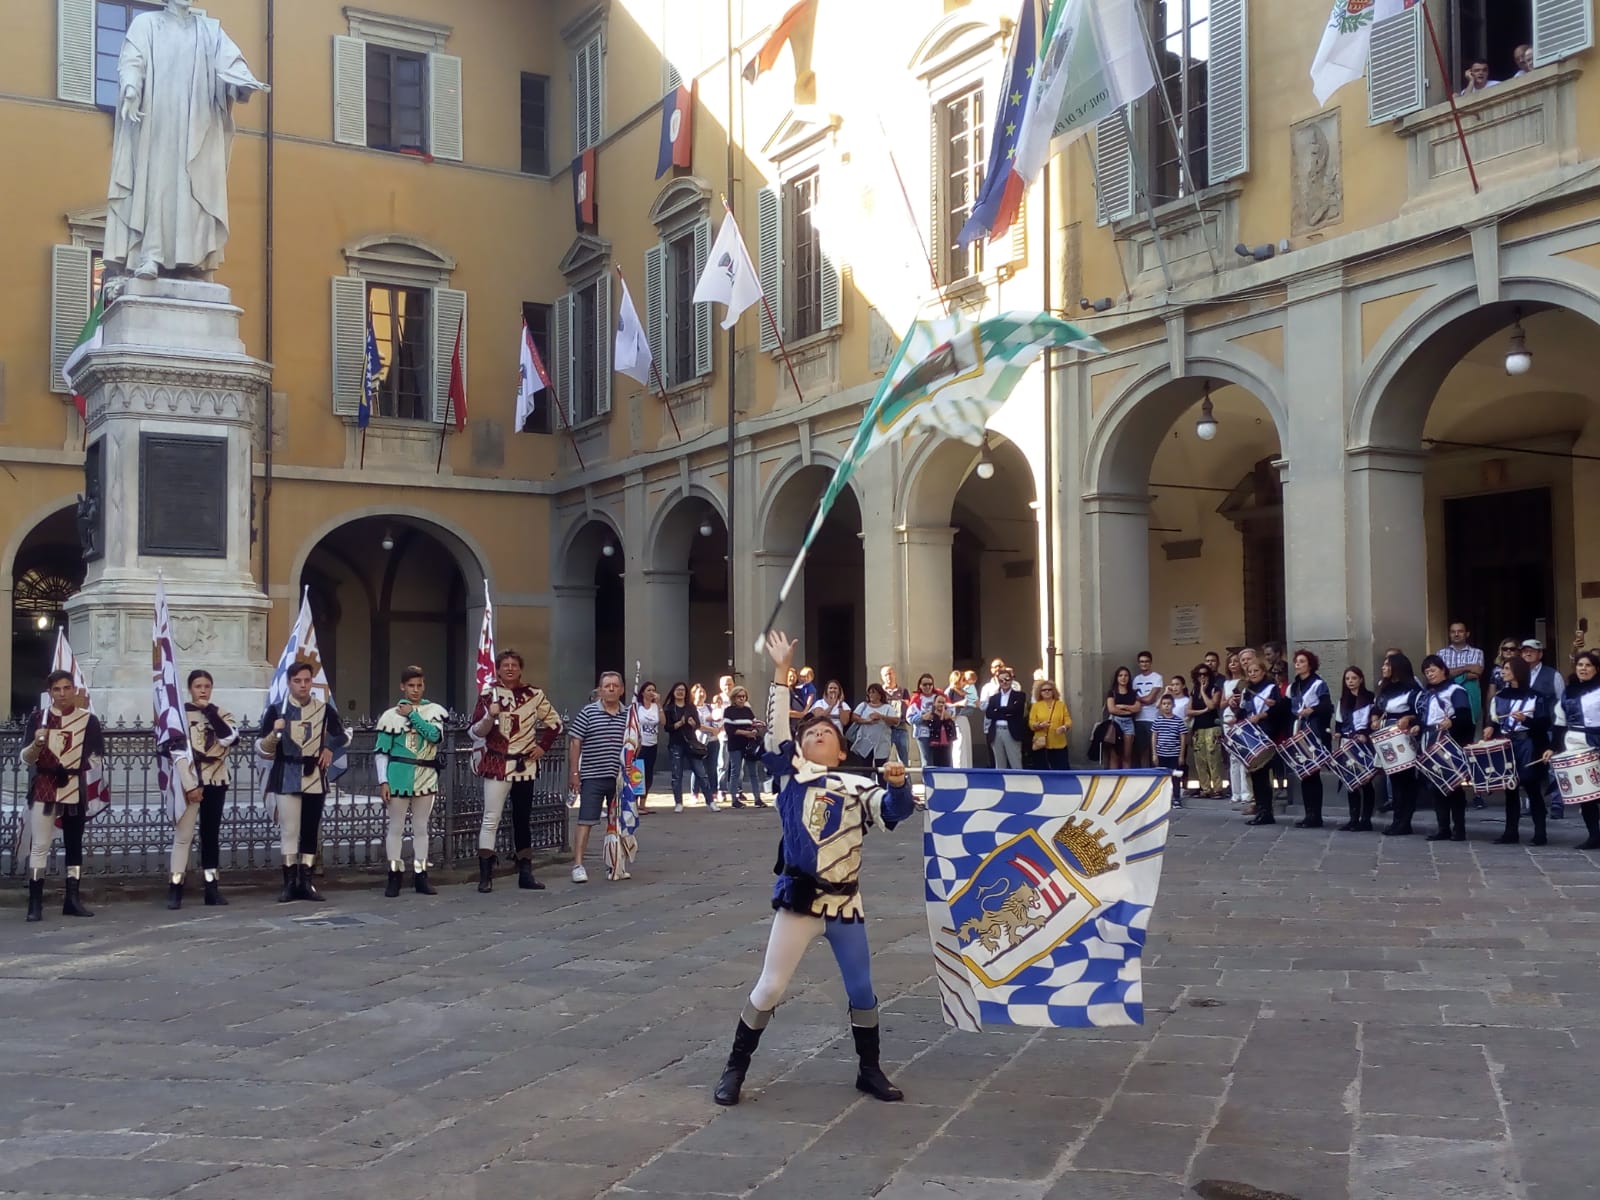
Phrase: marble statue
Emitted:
{"points": [[167, 207]]}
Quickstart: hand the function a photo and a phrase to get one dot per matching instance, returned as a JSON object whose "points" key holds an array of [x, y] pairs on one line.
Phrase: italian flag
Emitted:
{"points": [[89, 339]]}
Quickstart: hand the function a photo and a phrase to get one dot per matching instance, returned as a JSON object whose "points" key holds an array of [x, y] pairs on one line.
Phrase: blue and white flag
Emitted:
{"points": [[1039, 891], [369, 384], [301, 646]]}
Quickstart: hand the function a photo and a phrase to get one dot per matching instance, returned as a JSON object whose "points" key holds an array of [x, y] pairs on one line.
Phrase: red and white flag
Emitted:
{"points": [[532, 378], [483, 679]]}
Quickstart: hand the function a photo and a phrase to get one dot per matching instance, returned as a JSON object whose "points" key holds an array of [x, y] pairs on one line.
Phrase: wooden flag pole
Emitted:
{"points": [[444, 425], [362, 465], [655, 372], [772, 323], [1450, 95], [561, 412], [450, 401]]}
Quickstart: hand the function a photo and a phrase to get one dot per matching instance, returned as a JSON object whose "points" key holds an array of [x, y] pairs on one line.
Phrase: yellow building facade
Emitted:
{"points": [[1372, 465]]}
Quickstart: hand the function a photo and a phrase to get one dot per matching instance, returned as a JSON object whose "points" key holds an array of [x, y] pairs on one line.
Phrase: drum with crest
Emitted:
{"points": [[1305, 755], [1396, 751], [1493, 766], [1355, 764], [1250, 746], [1577, 774], [1444, 765]]}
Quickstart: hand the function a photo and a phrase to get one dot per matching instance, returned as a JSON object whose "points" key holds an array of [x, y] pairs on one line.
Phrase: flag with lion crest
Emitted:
{"points": [[1040, 886]]}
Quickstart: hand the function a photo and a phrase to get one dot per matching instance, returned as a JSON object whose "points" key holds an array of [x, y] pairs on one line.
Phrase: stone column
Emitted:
{"points": [[771, 567], [1116, 535], [664, 597], [1387, 575], [925, 565], [171, 409], [571, 645]]}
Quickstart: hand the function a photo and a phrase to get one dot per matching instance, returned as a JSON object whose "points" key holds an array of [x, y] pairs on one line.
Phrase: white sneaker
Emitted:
{"points": [[711, 806], [677, 808], [579, 875]]}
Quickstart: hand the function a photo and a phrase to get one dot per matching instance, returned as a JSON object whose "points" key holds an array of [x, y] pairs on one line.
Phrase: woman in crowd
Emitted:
{"points": [[955, 695], [870, 724], [832, 705], [744, 747], [920, 709], [1238, 777], [1050, 722], [1445, 711], [649, 733], [1521, 714], [1312, 706], [939, 732], [1204, 732], [1259, 702], [1395, 706], [1353, 721], [682, 720], [1582, 707], [1178, 688], [710, 726], [1122, 702]]}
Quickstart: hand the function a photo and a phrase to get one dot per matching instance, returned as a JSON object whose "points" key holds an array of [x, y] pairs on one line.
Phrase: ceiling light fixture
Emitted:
{"points": [[1519, 360], [985, 468], [1206, 427]]}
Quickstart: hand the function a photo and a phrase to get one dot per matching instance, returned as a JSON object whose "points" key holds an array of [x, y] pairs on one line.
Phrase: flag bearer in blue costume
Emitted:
{"points": [[302, 736], [825, 816], [407, 749]]}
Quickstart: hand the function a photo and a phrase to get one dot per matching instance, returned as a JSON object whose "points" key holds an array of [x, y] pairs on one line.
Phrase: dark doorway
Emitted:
{"points": [[1255, 507], [610, 650], [1499, 570], [836, 655], [966, 590]]}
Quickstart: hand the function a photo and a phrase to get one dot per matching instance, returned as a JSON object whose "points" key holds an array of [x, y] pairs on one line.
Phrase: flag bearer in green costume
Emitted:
{"points": [[407, 748]]}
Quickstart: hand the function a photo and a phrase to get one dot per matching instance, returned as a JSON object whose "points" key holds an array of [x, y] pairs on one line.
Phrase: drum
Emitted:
{"points": [[1492, 765], [1577, 774], [1444, 765], [1396, 751], [1305, 755], [1250, 746], [1355, 764]]}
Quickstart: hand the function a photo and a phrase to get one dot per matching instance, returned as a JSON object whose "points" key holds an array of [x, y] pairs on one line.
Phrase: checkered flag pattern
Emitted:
{"points": [[1039, 887]]}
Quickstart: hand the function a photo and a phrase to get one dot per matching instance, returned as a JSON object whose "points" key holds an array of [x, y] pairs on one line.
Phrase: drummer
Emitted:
{"points": [[1521, 714], [1582, 706], [1312, 706], [1353, 718], [1446, 711], [1396, 706], [1261, 704]]}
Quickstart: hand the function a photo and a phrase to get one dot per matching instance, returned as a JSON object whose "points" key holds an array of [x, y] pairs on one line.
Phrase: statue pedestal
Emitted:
{"points": [[171, 401]]}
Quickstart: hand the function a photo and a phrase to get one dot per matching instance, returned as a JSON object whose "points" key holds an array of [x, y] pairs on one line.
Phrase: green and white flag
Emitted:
{"points": [[1093, 61], [89, 339], [948, 376]]}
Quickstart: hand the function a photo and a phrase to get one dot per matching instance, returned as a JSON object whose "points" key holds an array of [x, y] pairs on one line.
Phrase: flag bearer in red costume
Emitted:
{"points": [[62, 744], [513, 726]]}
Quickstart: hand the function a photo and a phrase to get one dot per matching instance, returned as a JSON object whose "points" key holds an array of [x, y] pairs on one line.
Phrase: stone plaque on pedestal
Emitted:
{"points": [[171, 400]]}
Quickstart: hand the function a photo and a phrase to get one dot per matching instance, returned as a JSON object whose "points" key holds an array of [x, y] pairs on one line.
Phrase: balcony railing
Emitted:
{"points": [[133, 837]]}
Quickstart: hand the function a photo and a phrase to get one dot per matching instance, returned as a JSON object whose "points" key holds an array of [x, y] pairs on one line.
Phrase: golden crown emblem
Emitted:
{"points": [[1085, 844]]}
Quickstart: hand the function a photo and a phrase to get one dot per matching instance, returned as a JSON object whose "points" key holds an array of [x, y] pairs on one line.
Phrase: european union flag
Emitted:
{"points": [[1001, 193], [369, 390]]}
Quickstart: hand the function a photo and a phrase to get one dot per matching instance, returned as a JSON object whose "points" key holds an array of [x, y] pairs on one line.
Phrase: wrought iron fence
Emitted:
{"points": [[134, 836]]}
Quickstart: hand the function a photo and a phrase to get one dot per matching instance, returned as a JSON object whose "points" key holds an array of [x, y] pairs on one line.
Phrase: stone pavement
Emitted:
{"points": [[1329, 1016]]}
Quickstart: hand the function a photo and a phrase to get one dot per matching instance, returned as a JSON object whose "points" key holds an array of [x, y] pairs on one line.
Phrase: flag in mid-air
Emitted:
{"points": [[677, 124], [730, 277], [1001, 194], [1039, 891], [795, 29], [631, 355], [1342, 54], [171, 728]]}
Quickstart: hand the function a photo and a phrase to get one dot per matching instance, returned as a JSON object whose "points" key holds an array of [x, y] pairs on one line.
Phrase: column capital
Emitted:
{"points": [[1395, 459], [652, 575], [925, 535], [1125, 504]]}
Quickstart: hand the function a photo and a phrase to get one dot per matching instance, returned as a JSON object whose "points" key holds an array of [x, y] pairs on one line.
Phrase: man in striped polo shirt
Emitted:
{"points": [[594, 761]]}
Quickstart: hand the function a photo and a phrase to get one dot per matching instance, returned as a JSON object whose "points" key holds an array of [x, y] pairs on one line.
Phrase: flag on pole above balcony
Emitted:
{"points": [[677, 124], [631, 355], [730, 277], [532, 378], [1341, 56], [1001, 193], [1093, 61]]}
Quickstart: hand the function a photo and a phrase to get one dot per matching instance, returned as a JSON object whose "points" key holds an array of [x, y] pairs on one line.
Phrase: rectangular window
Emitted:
{"points": [[400, 325], [1490, 30], [586, 335], [961, 142], [535, 124], [805, 296], [1181, 30], [396, 105], [111, 18], [681, 278], [538, 318]]}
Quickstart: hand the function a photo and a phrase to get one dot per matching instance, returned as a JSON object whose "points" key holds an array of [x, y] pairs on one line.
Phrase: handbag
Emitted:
{"points": [[1040, 739]]}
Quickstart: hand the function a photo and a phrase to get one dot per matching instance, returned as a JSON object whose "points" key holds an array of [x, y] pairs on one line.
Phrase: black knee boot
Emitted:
{"points": [[288, 884], [746, 1038], [1511, 836], [36, 899], [71, 905], [1441, 814], [525, 877], [870, 1078], [1458, 815], [1591, 822], [1311, 797], [486, 861], [1538, 809]]}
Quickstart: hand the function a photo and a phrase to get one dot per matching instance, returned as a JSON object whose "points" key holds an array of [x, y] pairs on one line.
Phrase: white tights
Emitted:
{"points": [[44, 836], [420, 808]]}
